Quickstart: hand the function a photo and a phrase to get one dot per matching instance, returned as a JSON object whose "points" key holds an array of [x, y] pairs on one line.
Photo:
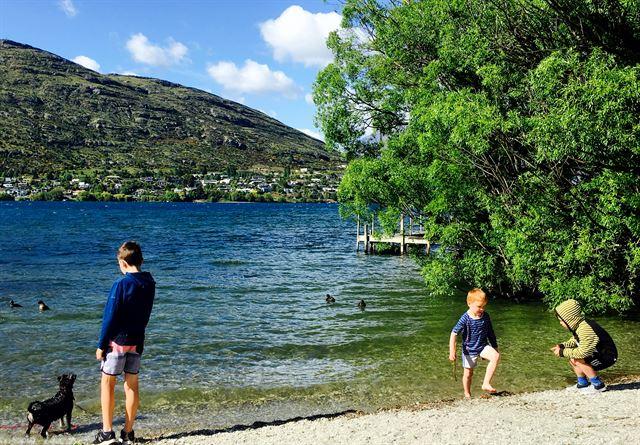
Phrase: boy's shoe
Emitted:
{"points": [[105, 438], [599, 387], [583, 385], [577, 387], [127, 438], [593, 389]]}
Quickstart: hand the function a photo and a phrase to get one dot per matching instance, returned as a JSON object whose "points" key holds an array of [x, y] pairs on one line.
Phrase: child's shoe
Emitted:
{"points": [[582, 384], [599, 388], [105, 438], [127, 438], [597, 384]]}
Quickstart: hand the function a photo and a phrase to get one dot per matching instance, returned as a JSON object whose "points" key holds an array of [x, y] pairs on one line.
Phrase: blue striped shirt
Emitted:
{"points": [[475, 333]]}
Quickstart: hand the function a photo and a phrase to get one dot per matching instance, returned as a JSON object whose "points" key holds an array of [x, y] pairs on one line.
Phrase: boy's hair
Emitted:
{"points": [[131, 253], [476, 295]]}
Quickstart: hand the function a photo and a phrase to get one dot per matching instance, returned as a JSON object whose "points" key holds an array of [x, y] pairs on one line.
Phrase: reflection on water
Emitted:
{"points": [[240, 324]]}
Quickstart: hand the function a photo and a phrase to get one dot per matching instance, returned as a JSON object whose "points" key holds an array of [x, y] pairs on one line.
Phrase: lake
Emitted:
{"points": [[240, 330]]}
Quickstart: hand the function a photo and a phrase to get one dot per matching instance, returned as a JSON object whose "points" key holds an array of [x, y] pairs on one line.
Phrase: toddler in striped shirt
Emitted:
{"points": [[478, 341]]}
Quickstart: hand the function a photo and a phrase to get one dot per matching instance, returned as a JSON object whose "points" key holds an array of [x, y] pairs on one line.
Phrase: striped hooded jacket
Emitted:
{"points": [[584, 341]]}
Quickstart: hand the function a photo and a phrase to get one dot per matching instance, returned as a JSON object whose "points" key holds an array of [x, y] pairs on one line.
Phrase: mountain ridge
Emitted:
{"points": [[57, 115]]}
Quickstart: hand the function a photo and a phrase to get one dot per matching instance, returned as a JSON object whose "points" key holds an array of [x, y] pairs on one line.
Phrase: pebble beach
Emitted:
{"points": [[555, 416], [559, 417]]}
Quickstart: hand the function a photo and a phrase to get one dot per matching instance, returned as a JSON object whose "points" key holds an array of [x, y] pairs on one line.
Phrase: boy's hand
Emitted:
{"points": [[99, 354], [556, 350], [452, 356]]}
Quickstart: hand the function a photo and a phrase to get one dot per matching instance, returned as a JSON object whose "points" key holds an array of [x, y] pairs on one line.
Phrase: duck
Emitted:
{"points": [[330, 299], [13, 304], [42, 306], [362, 304]]}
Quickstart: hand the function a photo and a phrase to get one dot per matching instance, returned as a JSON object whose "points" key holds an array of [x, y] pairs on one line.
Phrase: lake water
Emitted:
{"points": [[240, 329]]}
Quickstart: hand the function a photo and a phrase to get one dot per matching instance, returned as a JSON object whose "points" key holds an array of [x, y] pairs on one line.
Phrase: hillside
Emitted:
{"points": [[56, 115]]}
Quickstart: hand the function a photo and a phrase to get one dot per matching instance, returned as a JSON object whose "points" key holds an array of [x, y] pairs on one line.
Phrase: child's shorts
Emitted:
{"points": [[471, 361], [599, 362], [121, 358]]}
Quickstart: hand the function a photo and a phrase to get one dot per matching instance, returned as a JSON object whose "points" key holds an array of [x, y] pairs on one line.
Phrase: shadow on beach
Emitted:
{"points": [[253, 426], [623, 386]]}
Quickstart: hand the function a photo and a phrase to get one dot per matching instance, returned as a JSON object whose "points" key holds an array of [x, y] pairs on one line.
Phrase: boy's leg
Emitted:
{"points": [[132, 400], [489, 353], [467, 375], [582, 368], [107, 400]]}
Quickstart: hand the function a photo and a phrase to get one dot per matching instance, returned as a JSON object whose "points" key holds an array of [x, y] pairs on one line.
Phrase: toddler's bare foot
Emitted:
{"points": [[467, 396], [488, 388]]}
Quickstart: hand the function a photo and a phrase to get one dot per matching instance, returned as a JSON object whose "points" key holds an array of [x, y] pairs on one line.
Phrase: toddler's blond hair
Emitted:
{"points": [[476, 295]]}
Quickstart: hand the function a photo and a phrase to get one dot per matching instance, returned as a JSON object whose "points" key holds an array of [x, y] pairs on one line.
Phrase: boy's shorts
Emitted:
{"points": [[599, 362], [121, 358], [471, 361]]}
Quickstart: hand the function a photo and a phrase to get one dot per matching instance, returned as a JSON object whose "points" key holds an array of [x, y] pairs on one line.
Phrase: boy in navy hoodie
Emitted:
{"points": [[121, 341]]}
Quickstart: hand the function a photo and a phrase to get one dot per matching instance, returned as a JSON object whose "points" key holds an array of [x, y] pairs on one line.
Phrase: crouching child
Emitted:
{"points": [[591, 348]]}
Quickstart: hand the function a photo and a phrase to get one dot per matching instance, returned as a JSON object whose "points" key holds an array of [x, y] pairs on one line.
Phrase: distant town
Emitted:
{"points": [[288, 185]]}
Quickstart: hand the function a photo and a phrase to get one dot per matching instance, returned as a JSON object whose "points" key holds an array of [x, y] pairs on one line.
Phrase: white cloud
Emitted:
{"points": [[129, 73], [253, 77], [68, 7], [87, 62], [301, 36], [308, 98], [313, 134], [145, 52]]}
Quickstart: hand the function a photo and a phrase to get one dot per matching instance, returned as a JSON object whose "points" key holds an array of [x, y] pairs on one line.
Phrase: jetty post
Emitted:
{"points": [[358, 234], [366, 238], [402, 246]]}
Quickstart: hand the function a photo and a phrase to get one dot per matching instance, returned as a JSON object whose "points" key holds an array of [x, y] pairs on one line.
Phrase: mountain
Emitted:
{"points": [[57, 115]]}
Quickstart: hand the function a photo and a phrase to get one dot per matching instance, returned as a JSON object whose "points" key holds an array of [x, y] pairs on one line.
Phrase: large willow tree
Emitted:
{"points": [[509, 128]]}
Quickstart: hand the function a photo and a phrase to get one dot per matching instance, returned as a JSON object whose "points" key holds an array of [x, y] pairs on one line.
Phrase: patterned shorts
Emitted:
{"points": [[120, 359]]}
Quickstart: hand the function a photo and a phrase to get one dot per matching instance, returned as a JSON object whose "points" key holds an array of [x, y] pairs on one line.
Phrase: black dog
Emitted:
{"points": [[44, 413]]}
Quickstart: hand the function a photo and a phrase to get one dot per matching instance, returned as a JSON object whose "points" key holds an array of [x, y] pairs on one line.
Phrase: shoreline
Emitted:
{"points": [[550, 416]]}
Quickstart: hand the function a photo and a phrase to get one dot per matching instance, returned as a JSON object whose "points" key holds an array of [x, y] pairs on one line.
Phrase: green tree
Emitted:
{"points": [[55, 194], [170, 196], [509, 129], [86, 196]]}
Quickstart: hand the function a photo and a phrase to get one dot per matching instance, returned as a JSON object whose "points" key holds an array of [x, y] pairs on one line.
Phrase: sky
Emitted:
{"points": [[262, 53]]}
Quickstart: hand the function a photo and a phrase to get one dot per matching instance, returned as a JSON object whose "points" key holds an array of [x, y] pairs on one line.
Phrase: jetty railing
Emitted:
{"points": [[404, 238]]}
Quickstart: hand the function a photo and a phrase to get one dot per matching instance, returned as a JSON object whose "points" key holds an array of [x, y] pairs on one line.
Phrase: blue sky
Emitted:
{"points": [[262, 53]]}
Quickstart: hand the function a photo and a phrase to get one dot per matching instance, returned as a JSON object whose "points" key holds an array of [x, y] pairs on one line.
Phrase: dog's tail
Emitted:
{"points": [[34, 407]]}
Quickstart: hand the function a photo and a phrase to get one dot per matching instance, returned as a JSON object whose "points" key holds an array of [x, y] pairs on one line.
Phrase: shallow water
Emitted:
{"points": [[240, 330]]}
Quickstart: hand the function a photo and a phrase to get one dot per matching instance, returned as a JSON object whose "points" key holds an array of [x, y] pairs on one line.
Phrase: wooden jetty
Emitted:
{"points": [[403, 238]]}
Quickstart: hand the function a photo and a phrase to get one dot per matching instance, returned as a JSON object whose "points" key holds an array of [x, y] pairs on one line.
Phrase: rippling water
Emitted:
{"points": [[240, 326]]}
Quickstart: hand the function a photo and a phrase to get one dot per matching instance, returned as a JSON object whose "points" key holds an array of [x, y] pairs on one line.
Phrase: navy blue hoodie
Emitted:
{"points": [[128, 310]]}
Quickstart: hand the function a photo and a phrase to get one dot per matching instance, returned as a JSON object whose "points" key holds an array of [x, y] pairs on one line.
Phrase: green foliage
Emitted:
{"points": [[86, 196], [170, 196], [55, 194], [511, 133]]}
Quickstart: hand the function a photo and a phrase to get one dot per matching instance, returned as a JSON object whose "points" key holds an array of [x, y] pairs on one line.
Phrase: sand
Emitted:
{"points": [[557, 416]]}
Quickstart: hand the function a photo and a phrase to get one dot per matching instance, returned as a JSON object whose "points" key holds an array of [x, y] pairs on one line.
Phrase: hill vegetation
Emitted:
{"points": [[57, 116]]}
